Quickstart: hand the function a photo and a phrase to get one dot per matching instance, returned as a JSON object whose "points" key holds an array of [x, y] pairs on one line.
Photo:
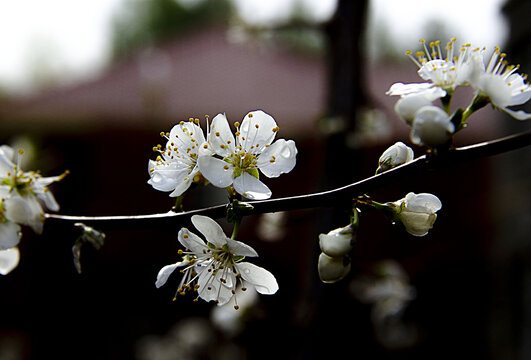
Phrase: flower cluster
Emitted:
{"points": [[222, 158], [494, 81], [22, 195], [214, 268]]}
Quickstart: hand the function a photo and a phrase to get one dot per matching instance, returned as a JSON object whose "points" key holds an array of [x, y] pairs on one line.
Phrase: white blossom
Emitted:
{"points": [[417, 212], [176, 167], [448, 71], [215, 268], [239, 160], [501, 83], [396, 155], [9, 260], [23, 193], [443, 73], [432, 126], [337, 242]]}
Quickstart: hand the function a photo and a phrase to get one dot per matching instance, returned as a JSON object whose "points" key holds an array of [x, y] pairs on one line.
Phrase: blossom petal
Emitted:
{"points": [[210, 229], [49, 200], [217, 171], [212, 289], [26, 211], [220, 137], [9, 235], [432, 126], [415, 88], [277, 159], [9, 260], [519, 115], [191, 241], [6, 164], [423, 202], [416, 223], [165, 273], [163, 176], [185, 132], [257, 130], [239, 248], [263, 280], [184, 183], [251, 187]]}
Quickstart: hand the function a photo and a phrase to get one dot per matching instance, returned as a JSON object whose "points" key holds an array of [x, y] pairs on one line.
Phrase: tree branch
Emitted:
{"points": [[330, 198]]}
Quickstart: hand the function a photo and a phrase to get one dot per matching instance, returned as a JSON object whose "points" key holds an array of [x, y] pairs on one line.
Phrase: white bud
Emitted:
{"points": [[417, 212], [332, 269], [406, 107], [337, 242], [394, 156], [412, 100], [431, 127]]}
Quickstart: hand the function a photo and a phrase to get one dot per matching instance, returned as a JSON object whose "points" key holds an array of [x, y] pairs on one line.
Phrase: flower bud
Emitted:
{"points": [[394, 156], [413, 97], [337, 242], [407, 106], [432, 126], [417, 212], [332, 269]]}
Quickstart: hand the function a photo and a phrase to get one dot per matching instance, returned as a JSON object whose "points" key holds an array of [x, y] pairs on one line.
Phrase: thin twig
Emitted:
{"points": [[330, 198]]}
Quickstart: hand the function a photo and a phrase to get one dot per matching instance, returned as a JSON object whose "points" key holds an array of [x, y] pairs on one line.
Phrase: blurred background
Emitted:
{"points": [[89, 86]]}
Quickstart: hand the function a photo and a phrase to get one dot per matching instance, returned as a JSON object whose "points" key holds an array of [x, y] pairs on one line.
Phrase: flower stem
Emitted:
{"points": [[178, 204], [236, 229], [479, 101]]}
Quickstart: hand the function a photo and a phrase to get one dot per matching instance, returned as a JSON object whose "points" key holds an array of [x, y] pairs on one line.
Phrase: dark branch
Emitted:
{"points": [[331, 198]]}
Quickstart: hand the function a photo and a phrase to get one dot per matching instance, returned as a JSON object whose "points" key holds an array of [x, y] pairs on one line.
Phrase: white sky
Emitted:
{"points": [[72, 36]]}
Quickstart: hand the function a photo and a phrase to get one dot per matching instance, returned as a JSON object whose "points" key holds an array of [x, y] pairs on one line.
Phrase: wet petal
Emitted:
{"points": [[250, 187], [279, 158], [164, 176], [239, 248], [263, 280], [183, 183], [218, 172]]}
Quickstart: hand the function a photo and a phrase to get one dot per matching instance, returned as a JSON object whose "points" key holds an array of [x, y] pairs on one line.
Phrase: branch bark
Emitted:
{"points": [[332, 198]]}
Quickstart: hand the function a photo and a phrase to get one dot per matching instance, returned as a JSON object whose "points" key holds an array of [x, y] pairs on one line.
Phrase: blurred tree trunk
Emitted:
{"points": [[346, 92], [346, 62], [511, 315], [346, 96]]}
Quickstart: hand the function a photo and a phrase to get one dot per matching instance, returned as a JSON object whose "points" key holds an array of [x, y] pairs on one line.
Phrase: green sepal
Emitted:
{"points": [[254, 172]]}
